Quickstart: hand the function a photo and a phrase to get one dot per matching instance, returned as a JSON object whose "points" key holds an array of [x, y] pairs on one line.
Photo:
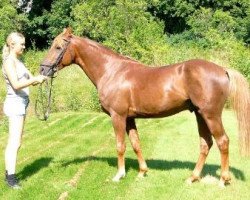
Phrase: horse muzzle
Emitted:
{"points": [[46, 70]]}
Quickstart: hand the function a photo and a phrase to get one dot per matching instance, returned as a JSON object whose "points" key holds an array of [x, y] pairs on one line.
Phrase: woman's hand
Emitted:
{"points": [[39, 79]]}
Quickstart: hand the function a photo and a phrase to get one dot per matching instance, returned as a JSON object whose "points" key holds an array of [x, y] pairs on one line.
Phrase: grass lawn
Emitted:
{"points": [[73, 156]]}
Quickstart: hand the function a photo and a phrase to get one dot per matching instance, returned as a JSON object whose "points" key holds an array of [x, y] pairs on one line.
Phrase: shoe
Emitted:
{"points": [[12, 181]]}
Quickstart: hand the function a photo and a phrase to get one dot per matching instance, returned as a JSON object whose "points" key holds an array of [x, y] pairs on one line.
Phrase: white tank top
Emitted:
{"points": [[22, 74]]}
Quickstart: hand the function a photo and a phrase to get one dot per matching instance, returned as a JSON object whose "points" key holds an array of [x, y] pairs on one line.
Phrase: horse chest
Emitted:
{"points": [[115, 99]]}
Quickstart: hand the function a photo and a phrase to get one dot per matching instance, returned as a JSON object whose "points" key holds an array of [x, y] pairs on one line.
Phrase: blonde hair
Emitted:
{"points": [[10, 40]]}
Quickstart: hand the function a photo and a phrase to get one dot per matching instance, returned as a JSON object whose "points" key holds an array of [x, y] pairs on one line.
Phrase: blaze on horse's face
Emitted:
{"points": [[58, 56]]}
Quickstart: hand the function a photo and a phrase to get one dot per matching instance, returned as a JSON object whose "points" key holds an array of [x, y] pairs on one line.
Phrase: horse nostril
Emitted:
{"points": [[41, 70]]}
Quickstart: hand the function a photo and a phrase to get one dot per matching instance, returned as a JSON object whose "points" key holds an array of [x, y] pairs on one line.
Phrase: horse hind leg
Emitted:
{"points": [[214, 123], [206, 143], [135, 142]]}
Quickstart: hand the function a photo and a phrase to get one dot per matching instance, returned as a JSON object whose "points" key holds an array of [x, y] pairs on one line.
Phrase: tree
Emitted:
{"points": [[176, 14], [60, 16], [123, 25], [10, 20], [214, 27], [46, 18], [36, 28]]}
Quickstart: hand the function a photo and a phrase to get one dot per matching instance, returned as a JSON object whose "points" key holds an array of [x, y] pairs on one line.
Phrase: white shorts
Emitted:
{"points": [[15, 106]]}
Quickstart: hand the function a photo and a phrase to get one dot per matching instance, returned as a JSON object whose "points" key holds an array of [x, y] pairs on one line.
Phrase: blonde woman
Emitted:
{"points": [[17, 78]]}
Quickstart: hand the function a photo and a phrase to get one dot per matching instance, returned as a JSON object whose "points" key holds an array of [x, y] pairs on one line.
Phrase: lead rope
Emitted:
{"points": [[43, 100]]}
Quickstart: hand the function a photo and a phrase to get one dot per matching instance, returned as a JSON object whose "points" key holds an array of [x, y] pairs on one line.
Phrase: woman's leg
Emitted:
{"points": [[15, 135]]}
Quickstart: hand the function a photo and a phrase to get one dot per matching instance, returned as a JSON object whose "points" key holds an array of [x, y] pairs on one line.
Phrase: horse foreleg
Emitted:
{"points": [[206, 143], [135, 142], [119, 125]]}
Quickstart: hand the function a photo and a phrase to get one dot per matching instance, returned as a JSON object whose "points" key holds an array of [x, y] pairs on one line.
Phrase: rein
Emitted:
{"points": [[45, 94], [43, 100]]}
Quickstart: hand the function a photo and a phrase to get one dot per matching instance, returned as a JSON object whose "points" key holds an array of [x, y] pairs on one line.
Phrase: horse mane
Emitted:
{"points": [[59, 41], [99, 47]]}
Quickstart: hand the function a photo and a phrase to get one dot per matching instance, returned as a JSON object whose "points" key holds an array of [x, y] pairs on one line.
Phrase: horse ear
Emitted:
{"points": [[67, 31], [64, 30]]}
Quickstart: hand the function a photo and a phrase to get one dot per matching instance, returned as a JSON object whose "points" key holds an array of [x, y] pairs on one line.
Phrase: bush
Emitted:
{"points": [[212, 27], [240, 60], [32, 59], [124, 26], [10, 21]]}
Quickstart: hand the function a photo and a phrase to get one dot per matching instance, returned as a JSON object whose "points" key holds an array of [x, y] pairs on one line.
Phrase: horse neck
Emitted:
{"points": [[92, 58]]}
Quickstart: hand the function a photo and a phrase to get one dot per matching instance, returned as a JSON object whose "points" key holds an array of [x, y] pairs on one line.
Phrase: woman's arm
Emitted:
{"points": [[10, 69]]}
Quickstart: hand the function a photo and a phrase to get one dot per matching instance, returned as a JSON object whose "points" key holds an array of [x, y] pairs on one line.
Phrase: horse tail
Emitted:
{"points": [[239, 95]]}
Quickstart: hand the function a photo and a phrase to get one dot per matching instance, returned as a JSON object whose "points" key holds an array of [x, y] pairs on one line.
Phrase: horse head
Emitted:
{"points": [[59, 55]]}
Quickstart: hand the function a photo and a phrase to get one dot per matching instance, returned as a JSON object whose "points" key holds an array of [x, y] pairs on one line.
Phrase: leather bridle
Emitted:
{"points": [[48, 89], [54, 66]]}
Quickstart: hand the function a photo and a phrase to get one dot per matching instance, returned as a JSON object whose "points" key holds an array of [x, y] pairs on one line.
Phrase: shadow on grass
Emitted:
{"points": [[159, 165], [34, 167]]}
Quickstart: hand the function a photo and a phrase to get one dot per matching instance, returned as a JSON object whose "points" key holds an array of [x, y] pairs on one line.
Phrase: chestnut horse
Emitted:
{"points": [[128, 89]]}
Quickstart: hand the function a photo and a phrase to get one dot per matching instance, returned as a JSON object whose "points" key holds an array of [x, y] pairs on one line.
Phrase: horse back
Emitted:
{"points": [[141, 91]]}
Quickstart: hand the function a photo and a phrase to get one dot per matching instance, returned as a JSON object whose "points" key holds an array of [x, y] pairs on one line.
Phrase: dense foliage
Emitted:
{"points": [[101, 19], [10, 19], [125, 26], [223, 15]]}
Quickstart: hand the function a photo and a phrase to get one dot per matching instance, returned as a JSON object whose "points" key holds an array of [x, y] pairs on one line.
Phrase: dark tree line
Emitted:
{"points": [[43, 19]]}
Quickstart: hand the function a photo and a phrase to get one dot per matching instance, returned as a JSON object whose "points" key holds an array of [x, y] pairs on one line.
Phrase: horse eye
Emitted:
{"points": [[58, 47]]}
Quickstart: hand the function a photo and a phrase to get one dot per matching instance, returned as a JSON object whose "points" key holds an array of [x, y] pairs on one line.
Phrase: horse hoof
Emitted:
{"points": [[223, 183], [192, 179], [118, 177], [141, 174], [189, 181]]}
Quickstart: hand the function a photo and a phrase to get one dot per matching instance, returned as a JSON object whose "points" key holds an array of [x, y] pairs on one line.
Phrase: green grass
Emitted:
{"points": [[73, 154]]}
